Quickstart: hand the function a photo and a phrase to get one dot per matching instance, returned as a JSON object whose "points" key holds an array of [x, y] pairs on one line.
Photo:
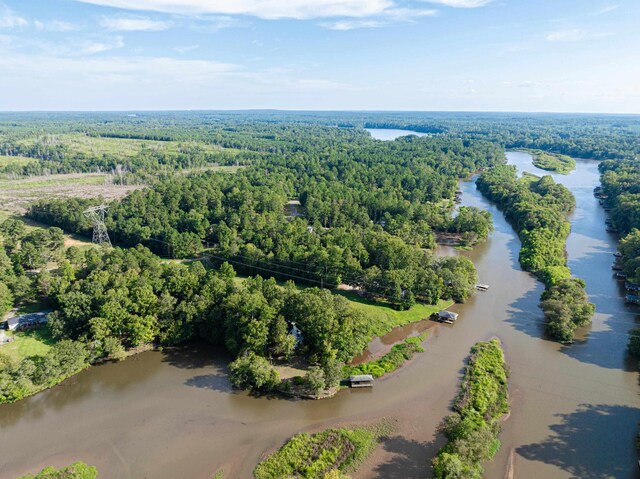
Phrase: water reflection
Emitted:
{"points": [[586, 443]]}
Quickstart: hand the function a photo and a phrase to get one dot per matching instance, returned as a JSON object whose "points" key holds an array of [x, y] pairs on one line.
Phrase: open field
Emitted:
{"points": [[385, 318], [69, 239], [16, 195], [120, 147], [36, 342], [15, 160]]}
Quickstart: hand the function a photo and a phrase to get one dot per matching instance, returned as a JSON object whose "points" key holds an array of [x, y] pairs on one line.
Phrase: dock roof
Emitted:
{"points": [[361, 377]]}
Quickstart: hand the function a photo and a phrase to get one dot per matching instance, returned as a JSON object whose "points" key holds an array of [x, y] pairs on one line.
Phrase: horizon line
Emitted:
{"points": [[285, 110]]}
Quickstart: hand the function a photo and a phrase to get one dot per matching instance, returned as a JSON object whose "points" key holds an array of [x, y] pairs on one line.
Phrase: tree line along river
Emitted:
{"points": [[173, 413]]}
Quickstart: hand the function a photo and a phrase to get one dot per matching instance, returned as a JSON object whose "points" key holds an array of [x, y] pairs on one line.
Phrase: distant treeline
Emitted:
{"points": [[278, 133]]}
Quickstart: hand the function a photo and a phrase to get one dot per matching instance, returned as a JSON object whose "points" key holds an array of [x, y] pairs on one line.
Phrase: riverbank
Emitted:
{"points": [[173, 413]]}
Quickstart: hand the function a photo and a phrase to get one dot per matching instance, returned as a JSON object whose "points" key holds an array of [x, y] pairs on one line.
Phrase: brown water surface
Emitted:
{"points": [[173, 414]]}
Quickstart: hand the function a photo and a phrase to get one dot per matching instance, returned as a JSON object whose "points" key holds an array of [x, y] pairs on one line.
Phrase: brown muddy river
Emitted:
{"points": [[172, 414]]}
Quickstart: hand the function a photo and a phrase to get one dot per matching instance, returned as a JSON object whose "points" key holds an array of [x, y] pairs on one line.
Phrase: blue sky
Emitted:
{"points": [[486, 55]]}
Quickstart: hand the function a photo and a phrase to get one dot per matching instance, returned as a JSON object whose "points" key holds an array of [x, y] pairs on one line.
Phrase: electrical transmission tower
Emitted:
{"points": [[96, 214]]}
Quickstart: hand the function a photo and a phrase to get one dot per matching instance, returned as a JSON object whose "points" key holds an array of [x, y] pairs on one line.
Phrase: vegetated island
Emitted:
{"points": [[327, 454], [77, 470], [538, 208], [473, 428], [552, 161]]}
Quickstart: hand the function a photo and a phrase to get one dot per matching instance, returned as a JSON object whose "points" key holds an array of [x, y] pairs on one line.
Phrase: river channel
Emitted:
{"points": [[169, 414]]}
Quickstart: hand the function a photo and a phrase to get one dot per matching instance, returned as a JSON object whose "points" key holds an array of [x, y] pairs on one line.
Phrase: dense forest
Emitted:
{"points": [[620, 182], [364, 217], [107, 301], [538, 209]]}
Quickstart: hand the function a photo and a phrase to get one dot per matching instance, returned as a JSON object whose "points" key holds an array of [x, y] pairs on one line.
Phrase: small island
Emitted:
{"points": [[555, 162]]}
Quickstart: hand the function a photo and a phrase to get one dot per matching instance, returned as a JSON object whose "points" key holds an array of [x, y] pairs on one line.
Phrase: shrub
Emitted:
{"points": [[253, 372], [77, 470]]}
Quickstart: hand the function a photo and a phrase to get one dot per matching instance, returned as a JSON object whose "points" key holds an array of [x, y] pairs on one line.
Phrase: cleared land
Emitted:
{"points": [[69, 239], [15, 160], [16, 195], [26, 344], [385, 318], [119, 147]]}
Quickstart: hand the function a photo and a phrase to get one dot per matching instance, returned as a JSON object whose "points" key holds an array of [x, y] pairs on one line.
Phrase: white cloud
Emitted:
{"points": [[608, 9], [267, 9], [392, 15], [133, 24], [9, 20], [212, 24], [185, 48], [91, 48], [461, 3], [345, 25], [573, 35], [55, 26]]}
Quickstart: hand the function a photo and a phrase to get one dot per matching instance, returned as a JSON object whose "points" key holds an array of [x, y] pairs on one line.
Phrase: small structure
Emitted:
{"points": [[296, 333], [25, 321], [445, 316], [293, 209], [361, 381], [482, 287], [632, 299]]}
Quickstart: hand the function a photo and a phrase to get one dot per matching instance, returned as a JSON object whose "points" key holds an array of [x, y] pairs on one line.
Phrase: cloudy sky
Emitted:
{"points": [[498, 55]]}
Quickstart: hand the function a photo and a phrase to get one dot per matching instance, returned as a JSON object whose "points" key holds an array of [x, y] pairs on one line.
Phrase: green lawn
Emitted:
{"points": [[385, 318], [36, 342]]}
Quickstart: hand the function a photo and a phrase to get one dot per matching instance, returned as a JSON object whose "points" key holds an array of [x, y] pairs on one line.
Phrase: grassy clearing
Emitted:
{"points": [[69, 239], [311, 456], [121, 147], [26, 344], [394, 359], [385, 318], [15, 160], [53, 180]]}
